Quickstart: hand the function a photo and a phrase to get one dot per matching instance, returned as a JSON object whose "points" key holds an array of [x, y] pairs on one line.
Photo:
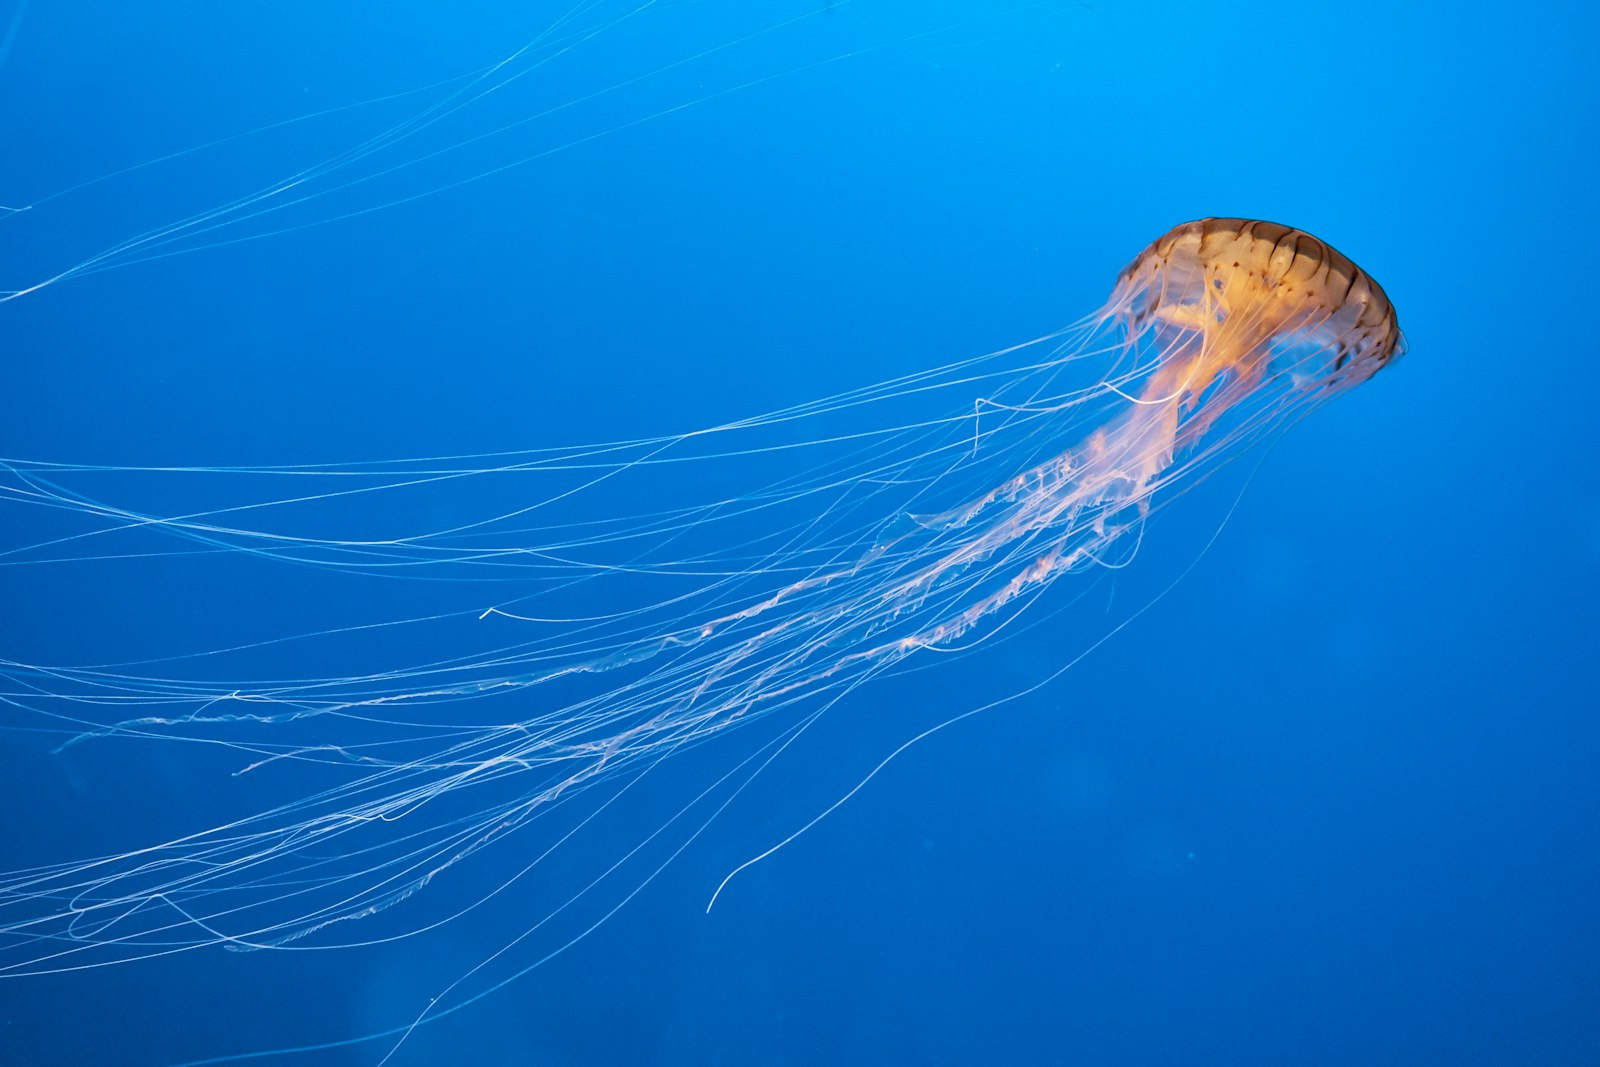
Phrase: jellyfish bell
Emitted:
{"points": [[1245, 285], [1230, 307]]}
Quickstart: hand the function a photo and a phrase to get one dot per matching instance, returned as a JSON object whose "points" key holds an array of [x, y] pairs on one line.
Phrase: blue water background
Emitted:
{"points": [[1332, 800]]}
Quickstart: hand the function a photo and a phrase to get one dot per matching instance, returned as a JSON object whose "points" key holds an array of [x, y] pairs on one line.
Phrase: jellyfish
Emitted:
{"points": [[889, 545]]}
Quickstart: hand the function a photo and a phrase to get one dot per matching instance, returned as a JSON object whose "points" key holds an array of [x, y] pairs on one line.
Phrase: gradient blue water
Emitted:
{"points": [[1332, 801]]}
